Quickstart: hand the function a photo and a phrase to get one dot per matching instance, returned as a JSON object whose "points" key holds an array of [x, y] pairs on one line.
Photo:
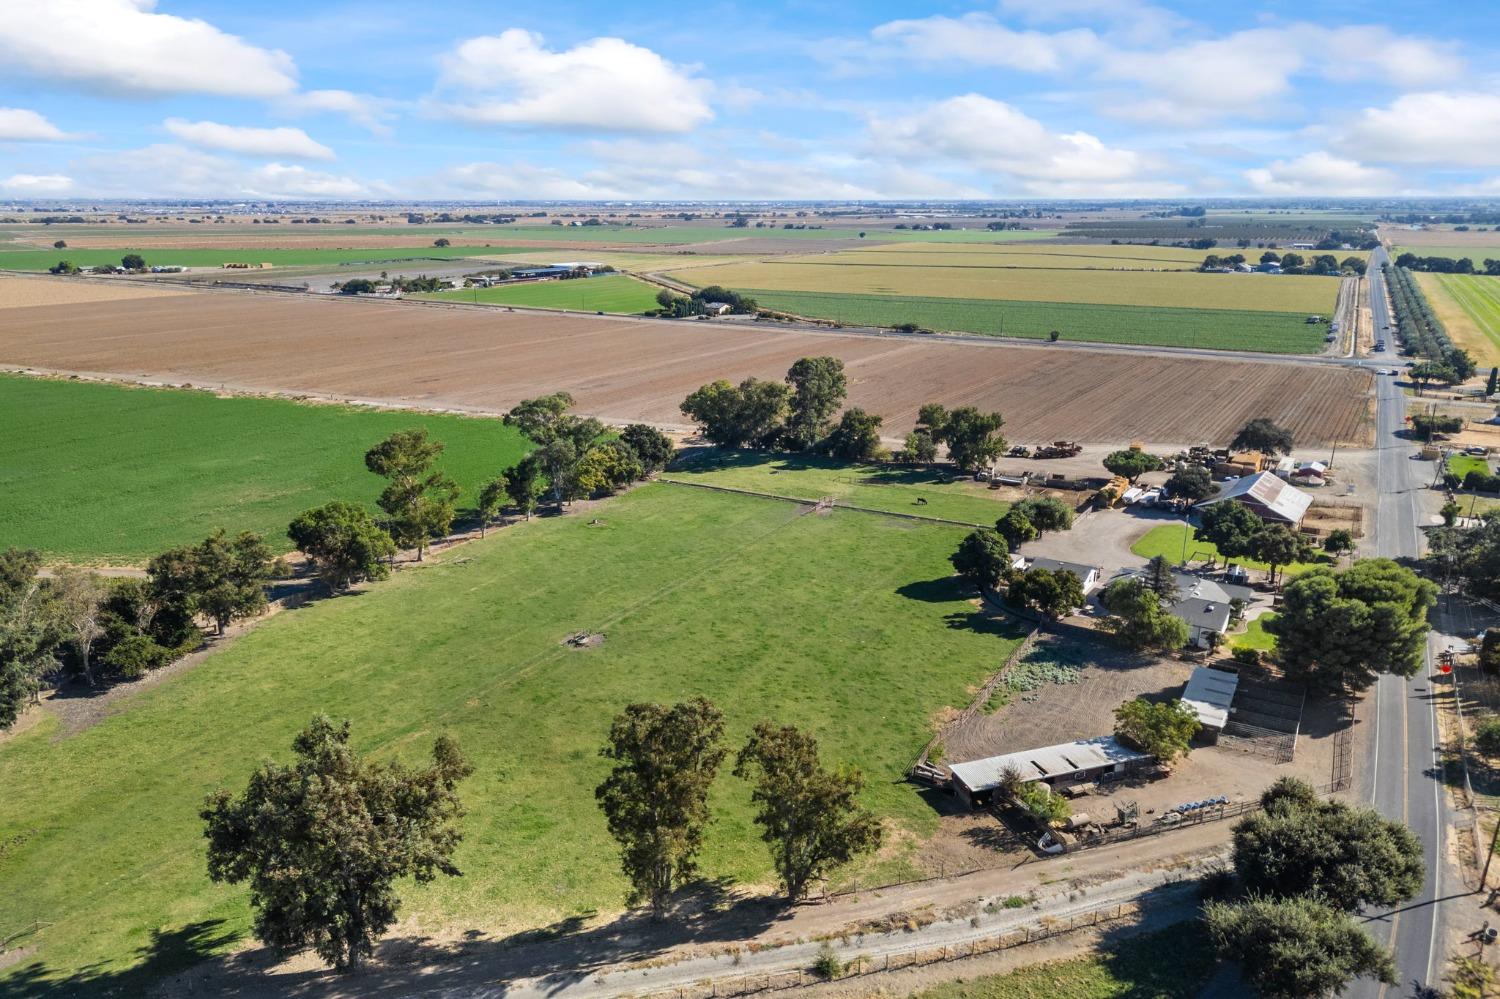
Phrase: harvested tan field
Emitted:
{"points": [[631, 369], [276, 240], [20, 293]]}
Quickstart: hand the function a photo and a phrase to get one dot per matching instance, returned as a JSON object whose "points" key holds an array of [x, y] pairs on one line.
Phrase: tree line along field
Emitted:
{"points": [[209, 256], [1162, 289], [617, 293], [627, 371], [1220, 329], [106, 473], [1469, 307], [696, 592]]}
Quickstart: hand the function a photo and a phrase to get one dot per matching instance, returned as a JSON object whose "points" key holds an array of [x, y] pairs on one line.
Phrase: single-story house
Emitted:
{"points": [[1209, 693], [716, 308], [1056, 766], [1088, 575], [1205, 604], [1268, 497]]}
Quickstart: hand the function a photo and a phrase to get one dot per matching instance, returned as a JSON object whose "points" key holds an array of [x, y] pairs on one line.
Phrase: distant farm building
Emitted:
{"points": [[1269, 498], [1056, 766]]}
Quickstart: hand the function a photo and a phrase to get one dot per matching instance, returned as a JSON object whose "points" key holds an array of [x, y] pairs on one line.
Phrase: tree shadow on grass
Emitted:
{"points": [[168, 952], [550, 958], [944, 590], [986, 624]]}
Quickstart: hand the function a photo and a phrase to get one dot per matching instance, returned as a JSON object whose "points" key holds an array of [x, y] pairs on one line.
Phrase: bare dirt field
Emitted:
{"points": [[626, 369], [20, 293]]}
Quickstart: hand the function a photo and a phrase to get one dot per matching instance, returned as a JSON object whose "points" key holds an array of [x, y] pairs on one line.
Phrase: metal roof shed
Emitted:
{"points": [[1209, 692], [1066, 763]]}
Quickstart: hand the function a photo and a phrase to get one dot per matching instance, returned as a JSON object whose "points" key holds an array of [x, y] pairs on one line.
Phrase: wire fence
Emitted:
{"points": [[914, 957]]}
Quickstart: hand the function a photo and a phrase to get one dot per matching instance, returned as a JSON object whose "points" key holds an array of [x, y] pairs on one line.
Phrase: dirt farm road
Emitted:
{"points": [[606, 961]]}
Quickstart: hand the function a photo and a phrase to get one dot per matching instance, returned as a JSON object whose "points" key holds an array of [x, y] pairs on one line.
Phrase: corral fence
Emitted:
{"points": [[915, 957]]}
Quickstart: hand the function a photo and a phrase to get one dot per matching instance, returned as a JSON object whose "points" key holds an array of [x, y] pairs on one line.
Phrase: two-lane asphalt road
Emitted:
{"points": [[1404, 764]]}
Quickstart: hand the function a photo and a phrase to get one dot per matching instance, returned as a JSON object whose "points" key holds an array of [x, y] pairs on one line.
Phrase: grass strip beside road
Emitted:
{"points": [[1168, 964]]}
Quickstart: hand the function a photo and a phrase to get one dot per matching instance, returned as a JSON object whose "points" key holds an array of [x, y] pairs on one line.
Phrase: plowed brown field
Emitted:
{"points": [[624, 370]]}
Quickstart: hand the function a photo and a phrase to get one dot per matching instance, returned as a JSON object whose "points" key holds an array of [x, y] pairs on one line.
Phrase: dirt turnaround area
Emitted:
{"points": [[624, 370]]}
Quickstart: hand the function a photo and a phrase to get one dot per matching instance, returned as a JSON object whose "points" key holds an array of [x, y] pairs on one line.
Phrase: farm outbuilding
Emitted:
{"points": [[1209, 693], [1088, 575], [1268, 497], [1056, 766]]}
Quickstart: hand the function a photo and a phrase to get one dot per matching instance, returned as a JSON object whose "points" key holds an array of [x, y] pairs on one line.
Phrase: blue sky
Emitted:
{"points": [[578, 100]]}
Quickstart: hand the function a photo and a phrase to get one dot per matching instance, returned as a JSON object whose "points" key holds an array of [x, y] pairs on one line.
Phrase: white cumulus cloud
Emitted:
{"points": [[981, 40], [1441, 128], [173, 171], [31, 185], [21, 125], [372, 113], [124, 45], [265, 142], [1321, 173], [1011, 146], [605, 83]]}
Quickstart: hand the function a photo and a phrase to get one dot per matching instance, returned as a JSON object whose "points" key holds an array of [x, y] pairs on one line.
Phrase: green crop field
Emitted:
{"points": [[40, 260], [1469, 306], [1223, 329], [892, 489], [1126, 257], [1162, 289], [611, 293], [103, 473], [851, 625], [1476, 253]]}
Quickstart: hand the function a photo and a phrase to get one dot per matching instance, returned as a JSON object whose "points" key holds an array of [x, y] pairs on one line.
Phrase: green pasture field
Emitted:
{"points": [[851, 625], [1133, 968], [1222, 329], [1161, 289], [105, 473], [893, 489], [1167, 540], [207, 256], [618, 293]]}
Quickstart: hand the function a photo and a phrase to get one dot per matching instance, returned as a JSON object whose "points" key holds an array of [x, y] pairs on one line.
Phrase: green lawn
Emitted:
{"points": [[1225, 329], [99, 472], [851, 625], [1462, 464], [610, 293], [1135, 968], [40, 260], [878, 487], [1255, 636], [1168, 540]]}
